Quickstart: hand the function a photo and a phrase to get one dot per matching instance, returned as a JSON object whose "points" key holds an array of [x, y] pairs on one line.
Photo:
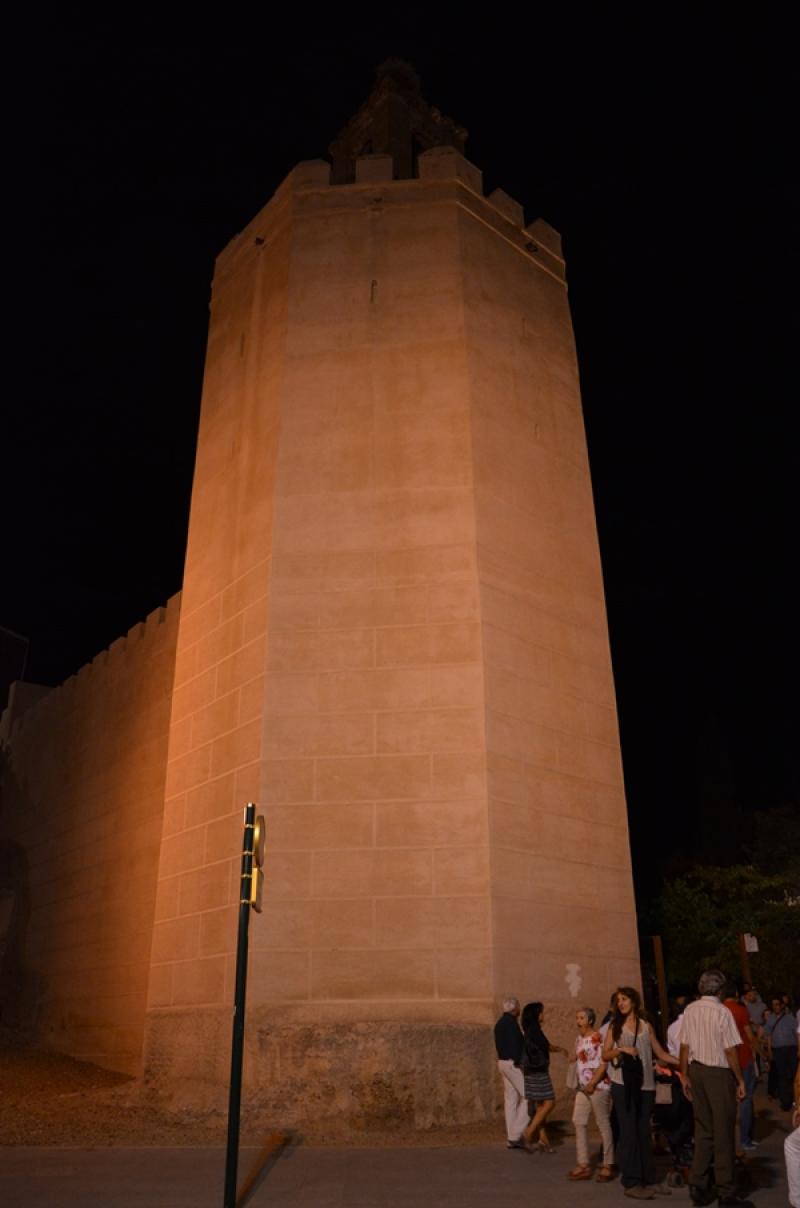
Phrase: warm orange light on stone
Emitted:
{"points": [[393, 561], [392, 637]]}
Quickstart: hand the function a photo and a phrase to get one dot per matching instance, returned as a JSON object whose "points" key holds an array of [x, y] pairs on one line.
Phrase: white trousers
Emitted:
{"points": [[515, 1105], [600, 1104], [791, 1151]]}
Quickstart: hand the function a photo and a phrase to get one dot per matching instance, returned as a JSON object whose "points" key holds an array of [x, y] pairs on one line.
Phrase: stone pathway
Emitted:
{"points": [[479, 1176]]}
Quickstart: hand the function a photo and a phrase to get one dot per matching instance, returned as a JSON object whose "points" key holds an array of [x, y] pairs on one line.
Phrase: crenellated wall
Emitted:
{"points": [[83, 771]]}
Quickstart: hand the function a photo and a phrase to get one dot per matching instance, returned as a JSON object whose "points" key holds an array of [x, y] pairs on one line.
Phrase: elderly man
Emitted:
{"points": [[508, 1042], [712, 1079]]}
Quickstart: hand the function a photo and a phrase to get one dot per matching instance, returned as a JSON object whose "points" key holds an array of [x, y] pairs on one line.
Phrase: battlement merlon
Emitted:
{"points": [[30, 699], [395, 139], [438, 166]]}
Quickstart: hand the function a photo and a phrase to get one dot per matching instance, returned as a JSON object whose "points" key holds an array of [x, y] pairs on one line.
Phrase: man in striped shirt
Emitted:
{"points": [[712, 1079]]}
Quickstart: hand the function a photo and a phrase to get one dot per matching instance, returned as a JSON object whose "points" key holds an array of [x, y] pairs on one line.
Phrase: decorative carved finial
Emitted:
{"points": [[395, 120]]}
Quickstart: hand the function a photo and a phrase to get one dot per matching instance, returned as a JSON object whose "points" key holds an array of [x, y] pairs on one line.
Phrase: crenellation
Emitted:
{"points": [[446, 163], [373, 169], [117, 648], [546, 236], [505, 205]]}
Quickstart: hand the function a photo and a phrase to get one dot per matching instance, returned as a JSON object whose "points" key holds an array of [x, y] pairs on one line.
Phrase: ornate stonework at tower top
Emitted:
{"points": [[395, 120]]}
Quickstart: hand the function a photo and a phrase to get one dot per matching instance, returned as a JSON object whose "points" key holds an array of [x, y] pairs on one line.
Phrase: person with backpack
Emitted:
{"points": [[535, 1063]]}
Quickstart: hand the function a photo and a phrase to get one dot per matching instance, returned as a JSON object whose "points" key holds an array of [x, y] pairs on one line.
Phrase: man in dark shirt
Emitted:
{"points": [[781, 1032], [508, 1042]]}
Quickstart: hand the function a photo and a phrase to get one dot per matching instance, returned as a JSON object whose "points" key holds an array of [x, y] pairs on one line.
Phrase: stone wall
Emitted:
{"points": [[80, 831], [393, 639]]}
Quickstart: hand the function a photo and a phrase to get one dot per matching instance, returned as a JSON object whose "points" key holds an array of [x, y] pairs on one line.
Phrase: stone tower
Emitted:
{"points": [[393, 638]]}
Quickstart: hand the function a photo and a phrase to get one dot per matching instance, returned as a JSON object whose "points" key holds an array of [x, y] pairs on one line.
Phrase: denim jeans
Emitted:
{"points": [[746, 1105]]}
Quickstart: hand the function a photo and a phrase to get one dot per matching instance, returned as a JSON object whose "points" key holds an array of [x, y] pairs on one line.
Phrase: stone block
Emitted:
{"points": [[458, 776], [276, 976], [506, 206], [205, 888], [215, 719], [429, 730], [464, 973], [166, 906], [214, 799], [159, 992], [240, 746], [312, 650], [188, 770], [341, 924], [199, 982], [371, 873], [223, 838], [388, 688], [387, 975], [244, 665], [431, 823], [446, 163], [182, 851], [542, 233], [283, 924], [314, 827], [287, 874], [319, 734], [251, 700], [460, 870], [372, 169], [246, 590], [288, 780], [193, 695], [373, 777], [176, 939], [426, 644]]}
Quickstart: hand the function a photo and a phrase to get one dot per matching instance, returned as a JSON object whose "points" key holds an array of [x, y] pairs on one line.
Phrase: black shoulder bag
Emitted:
{"points": [[632, 1073]]}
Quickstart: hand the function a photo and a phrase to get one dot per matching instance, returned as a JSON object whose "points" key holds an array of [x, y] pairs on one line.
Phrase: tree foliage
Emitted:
{"points": [[701, 914]]}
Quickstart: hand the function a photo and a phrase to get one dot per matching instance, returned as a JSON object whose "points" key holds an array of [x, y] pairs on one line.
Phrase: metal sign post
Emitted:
{"points": [[249, 895]]}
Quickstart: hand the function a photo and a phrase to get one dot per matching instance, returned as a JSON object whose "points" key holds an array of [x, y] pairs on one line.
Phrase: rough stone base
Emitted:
{"points": [[359, 1076]]}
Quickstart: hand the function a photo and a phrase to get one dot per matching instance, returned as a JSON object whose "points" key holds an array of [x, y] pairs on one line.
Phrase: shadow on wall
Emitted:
{"points": [[21, 987]]}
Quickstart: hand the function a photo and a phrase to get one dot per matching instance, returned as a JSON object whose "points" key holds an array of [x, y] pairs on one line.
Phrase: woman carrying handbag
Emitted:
{"points": [[628, 1050]]}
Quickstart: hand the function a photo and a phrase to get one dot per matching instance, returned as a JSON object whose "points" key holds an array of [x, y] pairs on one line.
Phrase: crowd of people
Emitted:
{"points": [[698, 1090]]}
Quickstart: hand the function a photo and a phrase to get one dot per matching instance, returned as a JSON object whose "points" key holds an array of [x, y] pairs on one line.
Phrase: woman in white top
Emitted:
{"points": [[594, 1096], [630, 1035]]}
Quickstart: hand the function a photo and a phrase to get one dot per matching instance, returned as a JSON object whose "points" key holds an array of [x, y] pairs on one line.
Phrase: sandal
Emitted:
{"points": [[545, 1148], [580, 1172], [605, 1174]]}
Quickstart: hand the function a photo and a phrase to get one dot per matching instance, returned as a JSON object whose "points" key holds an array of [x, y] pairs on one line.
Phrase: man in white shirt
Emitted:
{"points": [[712, 1079]]}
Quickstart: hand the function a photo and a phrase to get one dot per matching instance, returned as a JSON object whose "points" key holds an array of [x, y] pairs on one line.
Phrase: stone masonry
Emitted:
{"points": [[393, 639], [391, 636]]}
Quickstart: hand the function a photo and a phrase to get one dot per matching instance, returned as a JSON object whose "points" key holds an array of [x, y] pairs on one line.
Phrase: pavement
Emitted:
{"points": [[297, 1176]]}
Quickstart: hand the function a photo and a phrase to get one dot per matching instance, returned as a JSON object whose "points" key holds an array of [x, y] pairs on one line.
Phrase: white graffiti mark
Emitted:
{"points": [[574, 980]]}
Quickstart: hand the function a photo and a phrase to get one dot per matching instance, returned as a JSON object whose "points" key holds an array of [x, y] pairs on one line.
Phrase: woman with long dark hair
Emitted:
{"points": [[628, 1050], [536, 1050]]}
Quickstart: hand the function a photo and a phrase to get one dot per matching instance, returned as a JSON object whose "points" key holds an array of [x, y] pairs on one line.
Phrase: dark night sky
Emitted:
{"points": [[662, 153]]}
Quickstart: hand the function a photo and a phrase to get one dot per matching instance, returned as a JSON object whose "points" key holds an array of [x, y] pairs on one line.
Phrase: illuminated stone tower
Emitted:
{"points": [[393, 638]]}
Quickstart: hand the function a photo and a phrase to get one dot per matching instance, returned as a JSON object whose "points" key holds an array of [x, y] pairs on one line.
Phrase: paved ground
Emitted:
{"points": [[485, 1176]]}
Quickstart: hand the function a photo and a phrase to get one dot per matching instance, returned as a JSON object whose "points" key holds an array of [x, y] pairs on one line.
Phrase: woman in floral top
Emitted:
{"points": [[593, 1096]]}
